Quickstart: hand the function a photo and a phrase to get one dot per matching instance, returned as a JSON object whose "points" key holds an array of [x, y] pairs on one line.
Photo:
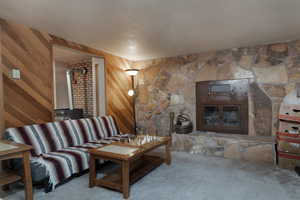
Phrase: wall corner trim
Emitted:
{"points": [[1, 89]]}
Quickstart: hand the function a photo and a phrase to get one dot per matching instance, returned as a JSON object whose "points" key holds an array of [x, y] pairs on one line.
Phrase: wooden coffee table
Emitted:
{"points": [[133, 166]]}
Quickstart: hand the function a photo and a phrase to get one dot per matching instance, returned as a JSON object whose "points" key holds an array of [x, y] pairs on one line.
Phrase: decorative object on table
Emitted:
{"points": [[183, 125], [143, 139], [132, 73]]}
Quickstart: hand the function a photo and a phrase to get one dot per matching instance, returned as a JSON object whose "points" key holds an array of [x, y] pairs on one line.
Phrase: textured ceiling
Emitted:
{"points": [[144, 29]]}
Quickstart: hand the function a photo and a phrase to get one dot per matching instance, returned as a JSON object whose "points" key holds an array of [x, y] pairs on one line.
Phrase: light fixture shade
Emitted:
{"points": [[130, 93], [132, 72]]}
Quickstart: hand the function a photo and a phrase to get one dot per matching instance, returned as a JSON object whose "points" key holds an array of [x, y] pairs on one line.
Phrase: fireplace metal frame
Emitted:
{"points": [[237, 96]]}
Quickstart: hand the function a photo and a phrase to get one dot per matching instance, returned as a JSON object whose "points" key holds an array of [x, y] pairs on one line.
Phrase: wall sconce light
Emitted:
{"points": [[130, 93], [132, 72]]}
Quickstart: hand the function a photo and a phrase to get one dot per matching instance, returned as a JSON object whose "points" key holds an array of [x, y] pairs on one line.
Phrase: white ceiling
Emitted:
{"points": [[144, 29]]}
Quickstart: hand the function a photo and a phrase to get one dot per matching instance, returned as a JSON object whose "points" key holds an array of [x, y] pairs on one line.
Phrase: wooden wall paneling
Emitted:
{"points": [[118, 99], [1, 104], [52, 82], [1, 92], [118, 103], [29, 100]]}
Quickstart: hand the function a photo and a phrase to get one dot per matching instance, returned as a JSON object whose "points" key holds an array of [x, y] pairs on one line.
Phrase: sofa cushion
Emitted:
{"points": [[109, 126], [64, 163], [71, 133], [42, 137], [89, 130]]}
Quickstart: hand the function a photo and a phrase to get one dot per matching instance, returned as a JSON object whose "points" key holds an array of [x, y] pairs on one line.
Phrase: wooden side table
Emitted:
{"points": [[20, 151]]}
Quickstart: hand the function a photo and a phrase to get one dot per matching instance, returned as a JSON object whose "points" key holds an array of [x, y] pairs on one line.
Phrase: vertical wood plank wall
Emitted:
{"points": [[119, 104], [1, 93], [2, 127], [30, 100]]}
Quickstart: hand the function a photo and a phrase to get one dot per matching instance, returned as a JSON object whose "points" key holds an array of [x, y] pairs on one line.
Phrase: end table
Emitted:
{"points": [[17, 151]]}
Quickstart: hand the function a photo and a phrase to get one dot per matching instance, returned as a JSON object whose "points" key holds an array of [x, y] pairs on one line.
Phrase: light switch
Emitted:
{"points": [[16, 74]]}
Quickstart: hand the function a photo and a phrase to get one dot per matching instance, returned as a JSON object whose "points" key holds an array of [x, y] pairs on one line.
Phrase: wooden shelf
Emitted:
{"points": [[113, 180], [288, 118], [288, 134], [284, 157], [288, 155], [8, 177]]}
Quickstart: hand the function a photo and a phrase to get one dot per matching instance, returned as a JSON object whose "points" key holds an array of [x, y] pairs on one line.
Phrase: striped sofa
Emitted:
{"points": [[61, 147]]}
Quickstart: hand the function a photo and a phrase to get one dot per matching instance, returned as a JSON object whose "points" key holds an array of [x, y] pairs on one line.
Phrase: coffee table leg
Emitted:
{"points": [[168, 153], [27, 176], [125, 179], [92, 171]]}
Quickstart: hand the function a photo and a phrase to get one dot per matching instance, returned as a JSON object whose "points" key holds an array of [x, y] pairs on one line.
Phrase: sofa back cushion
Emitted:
{"points": [[91, 129], [88, 130], [96, 128], [70, 133], [109, 125], [42, 137], [54, 136]]}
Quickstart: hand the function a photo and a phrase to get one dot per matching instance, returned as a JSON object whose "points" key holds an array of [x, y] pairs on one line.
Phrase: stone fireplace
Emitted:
{"points": [[168, 85]]}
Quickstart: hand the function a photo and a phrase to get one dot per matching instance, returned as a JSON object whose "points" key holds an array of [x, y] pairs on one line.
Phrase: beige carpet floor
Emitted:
{"points": [[190, 177]]}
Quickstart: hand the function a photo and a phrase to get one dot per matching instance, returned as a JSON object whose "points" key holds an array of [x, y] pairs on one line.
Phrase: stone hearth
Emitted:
{"points": [[253, 149]]}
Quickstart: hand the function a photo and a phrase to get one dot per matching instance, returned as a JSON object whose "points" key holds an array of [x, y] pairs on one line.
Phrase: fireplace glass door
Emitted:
{"points": [[231, 116], [221, 116], [212, 115]]}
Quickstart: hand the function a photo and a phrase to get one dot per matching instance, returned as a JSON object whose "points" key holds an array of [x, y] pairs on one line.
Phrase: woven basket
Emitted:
{"points": [[183, 124]]}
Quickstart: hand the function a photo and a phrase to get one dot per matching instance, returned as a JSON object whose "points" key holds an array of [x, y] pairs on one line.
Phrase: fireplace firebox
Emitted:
{"points": [[222, 106]]}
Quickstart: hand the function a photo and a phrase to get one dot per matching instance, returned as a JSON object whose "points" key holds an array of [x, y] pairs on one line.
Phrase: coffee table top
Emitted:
{"points": [[132, 149]]}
